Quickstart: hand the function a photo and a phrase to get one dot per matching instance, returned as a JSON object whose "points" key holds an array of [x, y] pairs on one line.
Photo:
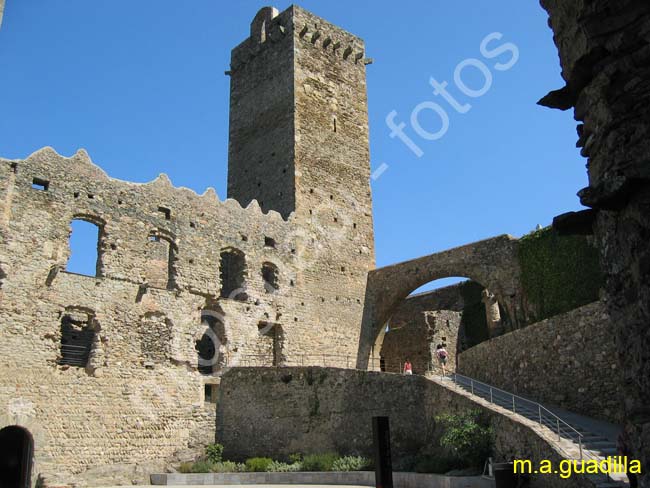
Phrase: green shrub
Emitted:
{"points": [[295, 458], [435, 464], [280, 467], [467, 437], [228, 467], [185, 467], [214, 453], [202, 467], [558, 273], [319, 462], [258, 464], [351, 463]]}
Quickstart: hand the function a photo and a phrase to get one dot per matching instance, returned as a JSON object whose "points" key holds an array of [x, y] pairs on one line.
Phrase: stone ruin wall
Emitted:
{"points": [[418, 325], [141, 399], [604, 50], [569, 360], [282, 411]]}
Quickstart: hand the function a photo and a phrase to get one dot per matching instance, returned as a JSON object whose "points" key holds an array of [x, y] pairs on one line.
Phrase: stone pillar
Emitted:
{"points": [[492, 312], [604, 49]]}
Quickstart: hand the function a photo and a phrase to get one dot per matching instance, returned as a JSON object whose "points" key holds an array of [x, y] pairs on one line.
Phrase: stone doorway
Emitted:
{"points": [[16, 455]]}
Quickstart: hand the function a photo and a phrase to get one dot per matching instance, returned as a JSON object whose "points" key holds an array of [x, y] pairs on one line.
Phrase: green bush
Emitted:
{"points": [[202, 467], [558, 273], [351, 463], [467, 437], [228, 467], [280, 467], [258, 464], [295, 458], [214, 453], [185, 467], [319, 462]]}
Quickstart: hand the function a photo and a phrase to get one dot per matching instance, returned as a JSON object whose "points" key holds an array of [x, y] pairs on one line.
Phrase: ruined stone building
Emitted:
{"points": [[108, 369], [198, 300]]}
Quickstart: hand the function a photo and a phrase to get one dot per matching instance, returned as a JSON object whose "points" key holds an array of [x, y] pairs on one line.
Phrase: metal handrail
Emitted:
{"points": [[540, 407], [584, 453]]}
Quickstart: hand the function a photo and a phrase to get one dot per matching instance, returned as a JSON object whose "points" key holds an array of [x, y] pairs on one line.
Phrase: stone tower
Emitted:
{"points": [[299, 143]]}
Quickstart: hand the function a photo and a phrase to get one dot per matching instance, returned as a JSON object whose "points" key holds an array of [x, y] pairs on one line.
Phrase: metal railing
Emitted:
{"points": [[269, 360], [324, 360], [523, 406], [530, 410]]}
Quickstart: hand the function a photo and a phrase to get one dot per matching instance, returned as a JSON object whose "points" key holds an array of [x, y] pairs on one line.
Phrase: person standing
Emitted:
{"points": [[408, 368]]}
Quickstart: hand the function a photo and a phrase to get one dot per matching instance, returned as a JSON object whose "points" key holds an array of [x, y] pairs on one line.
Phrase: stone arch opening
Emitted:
{"points": [[453, 315], [260, 26], [16, 457], [492, 262], [211, 347], [232, 271], [85, 241]]}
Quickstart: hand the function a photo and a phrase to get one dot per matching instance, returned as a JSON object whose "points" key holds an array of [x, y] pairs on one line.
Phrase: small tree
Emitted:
{"points": [[467, 437]]}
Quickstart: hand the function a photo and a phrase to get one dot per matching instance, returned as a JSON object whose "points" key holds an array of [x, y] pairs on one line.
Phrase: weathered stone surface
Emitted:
{"points": [[604, 49], [421, 323], [492, 262], [568, 360], [133, 392], [281, 411]]}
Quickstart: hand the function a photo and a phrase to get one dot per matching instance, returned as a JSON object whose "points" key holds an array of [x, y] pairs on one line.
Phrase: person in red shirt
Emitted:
{"points": [[408, 369]]}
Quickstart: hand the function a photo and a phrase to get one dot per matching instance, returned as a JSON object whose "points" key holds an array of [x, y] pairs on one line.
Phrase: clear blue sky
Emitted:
{"points": [[141, 86]]}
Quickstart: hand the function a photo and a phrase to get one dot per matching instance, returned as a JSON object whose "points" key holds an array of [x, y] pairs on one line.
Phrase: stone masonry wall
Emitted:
{"points": [[569, 361], [299, 144], [418, 325], [604, 49], [278, 412], [132, 395]]}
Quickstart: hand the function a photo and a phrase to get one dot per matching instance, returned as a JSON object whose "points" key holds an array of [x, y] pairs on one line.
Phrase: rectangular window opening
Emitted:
{"points": [[210, 393], [40, 184], [166, 212]]}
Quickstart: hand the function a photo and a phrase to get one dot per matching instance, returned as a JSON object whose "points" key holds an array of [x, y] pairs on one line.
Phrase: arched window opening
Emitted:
{"points": [[211, 346], [77, 338], [16, 457], [270, 275], [233, 274], [161, 261], [85, 247]]}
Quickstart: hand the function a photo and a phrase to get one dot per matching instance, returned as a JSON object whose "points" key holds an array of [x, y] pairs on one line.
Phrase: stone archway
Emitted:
{"points": [[16, 457], [491, 262]]}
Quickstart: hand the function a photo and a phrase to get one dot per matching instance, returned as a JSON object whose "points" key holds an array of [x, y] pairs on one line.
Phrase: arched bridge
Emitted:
{"points": [[491, 262]]}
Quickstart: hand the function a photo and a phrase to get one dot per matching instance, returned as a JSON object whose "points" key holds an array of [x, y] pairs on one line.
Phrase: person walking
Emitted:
{"points": [[442, 355]]}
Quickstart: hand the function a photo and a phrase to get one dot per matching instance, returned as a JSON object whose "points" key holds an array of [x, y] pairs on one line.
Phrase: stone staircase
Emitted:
{"points": [[576, 436]]}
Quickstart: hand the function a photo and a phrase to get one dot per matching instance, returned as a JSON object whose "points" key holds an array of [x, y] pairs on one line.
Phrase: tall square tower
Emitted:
{"points": [[299, 144]]}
